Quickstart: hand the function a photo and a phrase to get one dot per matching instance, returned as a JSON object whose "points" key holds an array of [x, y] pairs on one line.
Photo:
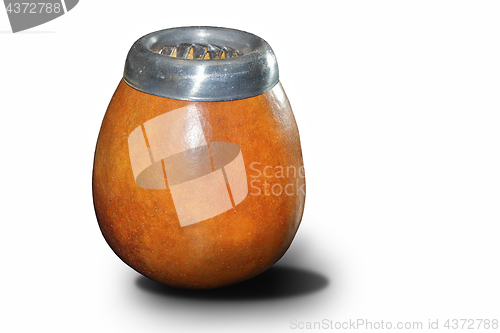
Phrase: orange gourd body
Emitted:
{"points": [[141, 225]]}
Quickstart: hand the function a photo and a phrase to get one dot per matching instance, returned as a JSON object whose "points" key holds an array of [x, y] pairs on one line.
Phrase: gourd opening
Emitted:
{"points": [[199, 51]]}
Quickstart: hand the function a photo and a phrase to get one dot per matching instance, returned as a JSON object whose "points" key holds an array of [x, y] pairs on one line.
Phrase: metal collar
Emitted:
{"points": [[253, 72]]}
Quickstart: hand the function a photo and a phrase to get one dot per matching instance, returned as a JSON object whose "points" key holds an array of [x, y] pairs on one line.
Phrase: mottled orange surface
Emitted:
{"points": [[141, 225]]}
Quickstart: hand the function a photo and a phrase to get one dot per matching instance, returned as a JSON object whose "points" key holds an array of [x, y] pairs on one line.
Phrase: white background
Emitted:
{"points": [[398, 107]]}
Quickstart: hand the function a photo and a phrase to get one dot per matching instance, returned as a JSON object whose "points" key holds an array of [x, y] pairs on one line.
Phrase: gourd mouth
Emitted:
{"points": [[201, 64], [199, 51]]}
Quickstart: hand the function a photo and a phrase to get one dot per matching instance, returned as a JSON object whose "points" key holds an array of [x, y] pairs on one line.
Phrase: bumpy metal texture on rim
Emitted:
{"points": [[251, 74]]}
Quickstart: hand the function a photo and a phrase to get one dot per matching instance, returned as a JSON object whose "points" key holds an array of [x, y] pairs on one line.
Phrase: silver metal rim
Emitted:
{"points": [[251, 74]]}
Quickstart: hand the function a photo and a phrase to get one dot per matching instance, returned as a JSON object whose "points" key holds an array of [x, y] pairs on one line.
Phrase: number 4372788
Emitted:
{"points": [[34, 8], [471, 324]]}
